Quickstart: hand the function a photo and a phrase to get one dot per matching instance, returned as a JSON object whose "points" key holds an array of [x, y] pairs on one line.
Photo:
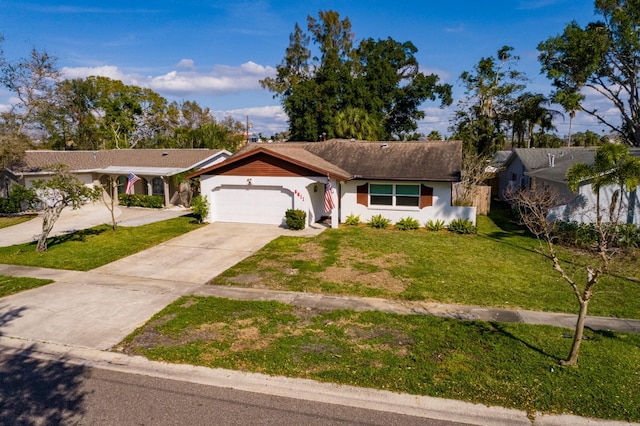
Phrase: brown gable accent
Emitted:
{"points": [[299, 159], [363, 194], [263, 164], [426, 196]]}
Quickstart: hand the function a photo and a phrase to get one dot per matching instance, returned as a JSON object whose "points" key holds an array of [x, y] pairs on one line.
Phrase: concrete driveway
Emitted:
{"points": [[97, 309], [200, 255]]}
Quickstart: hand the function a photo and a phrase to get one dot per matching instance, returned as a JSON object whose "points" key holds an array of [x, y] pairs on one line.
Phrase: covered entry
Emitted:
{"points": [[250, 204]]}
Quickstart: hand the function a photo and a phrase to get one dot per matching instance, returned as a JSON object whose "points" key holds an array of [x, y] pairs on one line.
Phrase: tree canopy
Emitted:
{"points": [[370, 91], [98, 113], [603, 56]]}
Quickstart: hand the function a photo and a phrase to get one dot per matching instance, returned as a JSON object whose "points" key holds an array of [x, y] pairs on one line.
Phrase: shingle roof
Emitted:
{"points": [[435, 161], [536, 158], [184, 159], [564, 159]]}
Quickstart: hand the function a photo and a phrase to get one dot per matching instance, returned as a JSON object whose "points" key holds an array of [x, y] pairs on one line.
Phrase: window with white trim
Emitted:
{"points": [[389, 194]]}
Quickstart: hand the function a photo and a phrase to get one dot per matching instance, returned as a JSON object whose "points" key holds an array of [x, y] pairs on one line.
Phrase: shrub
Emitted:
{"points": [[582, 235], [200, 208], [379, 222], [20, 198], [139, 200], [407, 224], [437, 225], [353, 220], [296, 219], [462, 226], [628, 235]]}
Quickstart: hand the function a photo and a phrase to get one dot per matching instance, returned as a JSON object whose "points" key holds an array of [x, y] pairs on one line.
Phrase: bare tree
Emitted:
{"points": [[533, 206], [613, 167], [474, 173], [109, 196]]}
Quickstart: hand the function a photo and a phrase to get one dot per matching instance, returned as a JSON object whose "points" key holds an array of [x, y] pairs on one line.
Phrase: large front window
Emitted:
{"points": [[394, 195]]}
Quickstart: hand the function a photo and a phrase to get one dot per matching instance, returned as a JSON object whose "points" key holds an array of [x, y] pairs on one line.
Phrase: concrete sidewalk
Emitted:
{"points": [[462, 312]]}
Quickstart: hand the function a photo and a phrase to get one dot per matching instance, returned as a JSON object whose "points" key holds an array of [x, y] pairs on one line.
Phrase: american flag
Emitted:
{"points": [[132, 179], [328, 197]]}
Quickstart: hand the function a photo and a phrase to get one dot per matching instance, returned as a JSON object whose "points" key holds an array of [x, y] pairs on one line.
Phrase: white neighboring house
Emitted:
{"points": [[154, 167], [393, 179], [528, 167]]}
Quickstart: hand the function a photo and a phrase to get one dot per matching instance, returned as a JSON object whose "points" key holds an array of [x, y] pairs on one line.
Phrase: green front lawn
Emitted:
{"points": [[501, 266], [510, 365], [11, 285], [97, 246], [14, 220]]}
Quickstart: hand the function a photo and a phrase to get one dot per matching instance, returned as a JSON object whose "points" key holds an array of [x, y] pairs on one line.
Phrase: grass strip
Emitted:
{"points": [[97, 246], [5, 222], [12, 285], [510, 365]]}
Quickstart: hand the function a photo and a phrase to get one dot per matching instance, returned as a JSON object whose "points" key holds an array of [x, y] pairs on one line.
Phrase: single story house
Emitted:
{"points": [[154, 167], [393, 179], [528, 167], [522, 161]]}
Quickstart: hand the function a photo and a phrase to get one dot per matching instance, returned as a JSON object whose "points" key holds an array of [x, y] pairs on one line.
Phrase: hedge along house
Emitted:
{"points": [[155, 167], [392, 179]]}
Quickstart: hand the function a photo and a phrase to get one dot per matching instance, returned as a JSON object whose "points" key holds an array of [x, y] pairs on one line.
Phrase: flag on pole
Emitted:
{"points": [[132, 180], [328, 197]]}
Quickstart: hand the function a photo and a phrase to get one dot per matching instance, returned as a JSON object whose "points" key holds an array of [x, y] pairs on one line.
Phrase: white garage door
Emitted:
{"points": [[251, 204]]}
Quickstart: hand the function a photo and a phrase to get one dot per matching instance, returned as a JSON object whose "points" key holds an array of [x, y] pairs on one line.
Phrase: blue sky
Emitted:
{"points": [[215, 52]]}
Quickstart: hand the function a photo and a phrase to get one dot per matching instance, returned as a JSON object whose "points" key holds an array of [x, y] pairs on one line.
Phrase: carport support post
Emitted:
{"points": [[167, 198]]}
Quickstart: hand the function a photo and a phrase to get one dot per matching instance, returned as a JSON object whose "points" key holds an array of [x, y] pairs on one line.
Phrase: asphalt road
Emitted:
{"points": [[34, 392]]}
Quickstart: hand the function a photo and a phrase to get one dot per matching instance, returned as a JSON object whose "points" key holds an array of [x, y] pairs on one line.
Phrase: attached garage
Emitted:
{"points": [[250, 204]]}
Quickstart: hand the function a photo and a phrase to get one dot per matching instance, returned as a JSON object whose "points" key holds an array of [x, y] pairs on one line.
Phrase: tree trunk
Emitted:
{"points": [[51, 215], [578, 335], [114, 194]]}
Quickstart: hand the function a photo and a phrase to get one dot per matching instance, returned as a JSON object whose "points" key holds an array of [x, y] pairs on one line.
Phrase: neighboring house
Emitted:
{"points": [[394, 179], [522, 161], [534, 166], [154, 167]]}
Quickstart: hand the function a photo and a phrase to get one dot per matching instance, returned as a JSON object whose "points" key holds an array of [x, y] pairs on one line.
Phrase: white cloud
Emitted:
{"points": [[221, 80], [186, 63], [109, 71], [265, 119], [435, 119], [442, 74], [458, 29], [535, 4]]}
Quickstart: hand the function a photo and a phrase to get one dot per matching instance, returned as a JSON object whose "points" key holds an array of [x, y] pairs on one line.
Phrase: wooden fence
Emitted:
{"points": [[481, 200]]}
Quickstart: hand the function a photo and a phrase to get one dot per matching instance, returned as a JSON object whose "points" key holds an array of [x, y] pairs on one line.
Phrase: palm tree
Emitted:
{"points": [[531, 111], [356, 123]]}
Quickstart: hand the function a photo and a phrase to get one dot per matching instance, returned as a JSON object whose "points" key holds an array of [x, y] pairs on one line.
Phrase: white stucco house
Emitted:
{"points": [[154, 167], [528, 167], [394, 179]]}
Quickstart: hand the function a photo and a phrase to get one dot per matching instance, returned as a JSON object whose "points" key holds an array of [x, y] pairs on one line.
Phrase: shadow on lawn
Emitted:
{"points": [[80, 235], [35, 391], [499, 328]]}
